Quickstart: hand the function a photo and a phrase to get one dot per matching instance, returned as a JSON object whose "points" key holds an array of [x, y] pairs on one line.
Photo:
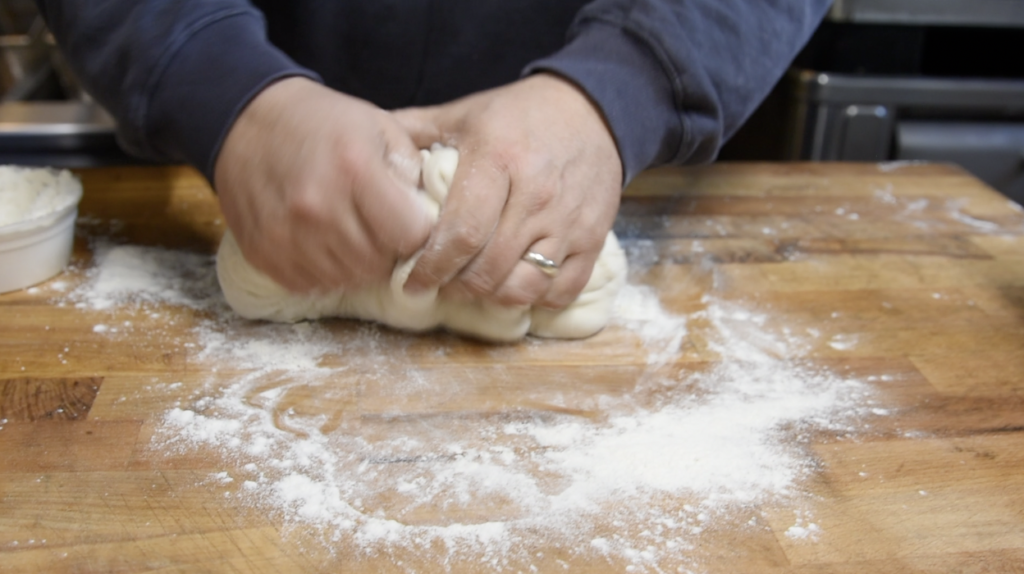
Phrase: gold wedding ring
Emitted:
{"points": [[545, 265]]}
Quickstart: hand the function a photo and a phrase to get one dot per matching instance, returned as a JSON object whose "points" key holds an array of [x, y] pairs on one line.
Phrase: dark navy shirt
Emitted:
{"points": [[674, 78]]}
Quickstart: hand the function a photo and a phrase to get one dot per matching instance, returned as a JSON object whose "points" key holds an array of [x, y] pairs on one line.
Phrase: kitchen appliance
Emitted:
{"points": [[935, 80], [45, 116]]}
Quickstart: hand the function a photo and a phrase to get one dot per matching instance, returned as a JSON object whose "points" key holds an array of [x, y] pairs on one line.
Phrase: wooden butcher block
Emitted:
{"points": [[814, 368]]}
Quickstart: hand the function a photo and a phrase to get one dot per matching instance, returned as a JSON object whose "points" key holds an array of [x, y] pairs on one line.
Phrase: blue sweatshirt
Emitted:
{"points": [[674, 79]]}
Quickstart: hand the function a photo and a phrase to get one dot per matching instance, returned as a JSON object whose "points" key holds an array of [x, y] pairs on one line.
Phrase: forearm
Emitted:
{"points": [[174, 74], [676, 79]]}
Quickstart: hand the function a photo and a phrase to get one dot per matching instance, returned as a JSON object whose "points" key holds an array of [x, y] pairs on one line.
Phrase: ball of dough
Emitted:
{"points": [[253, 295]]}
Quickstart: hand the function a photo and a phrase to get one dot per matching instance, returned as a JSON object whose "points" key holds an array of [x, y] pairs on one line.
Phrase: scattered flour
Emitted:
{"points": [[136, 274], [843, 341], [638, 309], [803, 529], [811, 530], [973, 222], [660, 462], [890, 166]]}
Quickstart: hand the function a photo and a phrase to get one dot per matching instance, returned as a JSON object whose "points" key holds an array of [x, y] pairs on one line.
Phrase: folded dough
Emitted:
{"points": [[255, 296]]}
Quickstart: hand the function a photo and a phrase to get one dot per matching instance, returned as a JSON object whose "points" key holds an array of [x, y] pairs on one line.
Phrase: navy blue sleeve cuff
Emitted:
{"points": [[633, 91], [210, 75]]}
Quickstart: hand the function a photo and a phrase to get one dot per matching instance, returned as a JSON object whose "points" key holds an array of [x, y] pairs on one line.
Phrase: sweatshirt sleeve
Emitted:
{"points": [[676, 79], [175, 75]]}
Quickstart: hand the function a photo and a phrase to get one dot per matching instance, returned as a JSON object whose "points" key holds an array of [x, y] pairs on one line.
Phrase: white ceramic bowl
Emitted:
{"points": [[34, 250]]}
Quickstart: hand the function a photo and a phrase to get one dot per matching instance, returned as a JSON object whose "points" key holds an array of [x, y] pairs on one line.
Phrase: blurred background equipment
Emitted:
{"points": [[936, 80], [45, 116], [881, 80]]}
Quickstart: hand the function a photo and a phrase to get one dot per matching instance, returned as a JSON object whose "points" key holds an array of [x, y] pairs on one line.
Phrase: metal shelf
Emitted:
{"points": [[994, 13]]}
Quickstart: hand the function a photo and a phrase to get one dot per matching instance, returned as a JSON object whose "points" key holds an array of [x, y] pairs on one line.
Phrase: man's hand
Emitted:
{"points": [[318, 187], [538, 171]]}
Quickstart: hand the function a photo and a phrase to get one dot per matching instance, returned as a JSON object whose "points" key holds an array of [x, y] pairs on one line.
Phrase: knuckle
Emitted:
{"points": [[476, 283], [434, 268], [468, 239], [354, 161], [514, 298], [542, 196], [305, 204], [507, 157], [507, 154]]}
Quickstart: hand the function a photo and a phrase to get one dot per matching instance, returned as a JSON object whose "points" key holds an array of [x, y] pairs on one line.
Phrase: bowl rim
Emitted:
{"points": [[45, 219]]}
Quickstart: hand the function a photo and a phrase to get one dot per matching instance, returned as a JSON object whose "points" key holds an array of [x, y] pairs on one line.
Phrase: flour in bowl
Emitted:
{"points": [[27, 193]]}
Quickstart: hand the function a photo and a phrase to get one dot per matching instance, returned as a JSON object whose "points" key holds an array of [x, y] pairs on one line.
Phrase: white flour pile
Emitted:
{"points": [[636, 482], [133, 274], [27, 193]]}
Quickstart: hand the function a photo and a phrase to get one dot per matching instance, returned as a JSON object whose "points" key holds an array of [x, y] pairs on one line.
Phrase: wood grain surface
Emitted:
{"points": [[906, 278]]}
